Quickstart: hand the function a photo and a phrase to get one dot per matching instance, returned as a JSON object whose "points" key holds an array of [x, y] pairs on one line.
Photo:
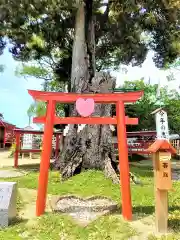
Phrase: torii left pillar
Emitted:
{"points": [[45, 158]]}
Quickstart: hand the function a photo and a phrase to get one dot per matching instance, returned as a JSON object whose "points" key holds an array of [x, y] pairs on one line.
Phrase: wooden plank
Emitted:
{"points": [[30, 150], [161, 200], [161, 209], [138, 152], [142, 134]]}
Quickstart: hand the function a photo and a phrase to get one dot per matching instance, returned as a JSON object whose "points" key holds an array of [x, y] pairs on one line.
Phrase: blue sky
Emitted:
{"points": [[15, 100]]}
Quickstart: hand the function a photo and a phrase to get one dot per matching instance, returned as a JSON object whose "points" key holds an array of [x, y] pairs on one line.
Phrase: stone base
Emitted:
{"points": [[8, 201]]}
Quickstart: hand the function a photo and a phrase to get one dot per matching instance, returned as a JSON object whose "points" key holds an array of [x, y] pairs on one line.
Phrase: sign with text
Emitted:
{"points": [[162, 128], [8, 197], [164, 178], [27, 141]]}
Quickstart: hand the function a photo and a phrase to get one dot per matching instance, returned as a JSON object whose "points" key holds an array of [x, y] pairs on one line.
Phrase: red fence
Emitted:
{"points": [[138, 142]]}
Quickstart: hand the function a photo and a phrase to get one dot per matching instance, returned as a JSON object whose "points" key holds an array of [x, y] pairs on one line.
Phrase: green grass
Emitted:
{"points": [[54, 226]]}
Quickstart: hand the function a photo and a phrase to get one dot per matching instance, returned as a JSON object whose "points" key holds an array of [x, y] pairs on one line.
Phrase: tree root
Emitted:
{"points": [[110, 172], [70, 169]]}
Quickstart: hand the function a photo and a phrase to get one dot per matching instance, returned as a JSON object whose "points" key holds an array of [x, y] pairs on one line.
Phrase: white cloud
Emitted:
{"points": [[148, 71]]}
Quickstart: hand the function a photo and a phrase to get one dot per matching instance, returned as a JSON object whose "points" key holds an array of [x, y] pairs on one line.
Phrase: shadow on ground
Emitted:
{"points": [[29, 167], [142, 171], [16, 221], [148, 210], [151, 209], [174, 224]]}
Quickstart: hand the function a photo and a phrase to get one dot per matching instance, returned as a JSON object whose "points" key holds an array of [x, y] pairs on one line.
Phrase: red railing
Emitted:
{"points": [[138, 142]]}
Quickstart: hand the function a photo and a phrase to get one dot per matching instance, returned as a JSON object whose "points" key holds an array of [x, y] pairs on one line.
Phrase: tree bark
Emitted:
{"points": [[92, 148]]}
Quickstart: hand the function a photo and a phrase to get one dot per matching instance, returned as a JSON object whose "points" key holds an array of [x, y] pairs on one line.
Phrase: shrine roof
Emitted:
{"points": [[22, 130], [6, 124], [162, 109], [28, 128], [161, 144]]}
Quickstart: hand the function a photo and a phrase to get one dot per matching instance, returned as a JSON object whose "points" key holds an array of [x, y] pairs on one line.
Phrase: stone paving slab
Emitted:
{"points": [[11, 174]]}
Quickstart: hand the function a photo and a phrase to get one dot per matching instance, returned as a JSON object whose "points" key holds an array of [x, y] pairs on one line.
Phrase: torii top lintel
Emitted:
{"points": [[98, 97]]}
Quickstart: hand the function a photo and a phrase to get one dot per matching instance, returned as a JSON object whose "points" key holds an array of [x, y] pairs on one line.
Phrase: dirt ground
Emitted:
{"points": [[9, 162], [29, 199]]}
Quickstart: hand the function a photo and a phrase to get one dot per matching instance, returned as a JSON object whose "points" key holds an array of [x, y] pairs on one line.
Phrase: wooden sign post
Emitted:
{"points": [[162, 150]]}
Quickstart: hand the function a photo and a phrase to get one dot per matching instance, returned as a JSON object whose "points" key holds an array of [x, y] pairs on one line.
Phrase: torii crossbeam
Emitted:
{"points": [[120, 120]]}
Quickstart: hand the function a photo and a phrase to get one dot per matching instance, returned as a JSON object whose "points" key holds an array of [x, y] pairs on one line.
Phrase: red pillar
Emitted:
{"points": [[16, 153], [57, 145], [123, 162], [4, 142], [45, 159]]}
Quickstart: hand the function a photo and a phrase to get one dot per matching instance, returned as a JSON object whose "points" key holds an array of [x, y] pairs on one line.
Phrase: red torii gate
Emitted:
{"points": [[121, 120]]}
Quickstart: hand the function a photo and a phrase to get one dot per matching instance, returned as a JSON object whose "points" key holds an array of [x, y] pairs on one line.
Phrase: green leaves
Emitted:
{"points": [[37, 108], [149, 102], [33, 71], [39, 28]]}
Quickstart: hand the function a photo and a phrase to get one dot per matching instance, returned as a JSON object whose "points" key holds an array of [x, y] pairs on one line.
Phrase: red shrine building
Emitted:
{"points": [[6, 134]]}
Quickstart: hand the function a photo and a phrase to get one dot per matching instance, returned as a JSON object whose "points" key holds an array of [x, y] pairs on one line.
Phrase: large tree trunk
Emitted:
{"points": [[92, 148]]}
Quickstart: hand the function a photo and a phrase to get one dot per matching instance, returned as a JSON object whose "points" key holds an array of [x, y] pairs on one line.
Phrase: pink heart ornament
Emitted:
{"points": [[85, 107]]}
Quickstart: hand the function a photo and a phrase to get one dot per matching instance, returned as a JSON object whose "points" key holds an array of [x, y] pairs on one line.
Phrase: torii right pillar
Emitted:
{"points": [[123, 161]]}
